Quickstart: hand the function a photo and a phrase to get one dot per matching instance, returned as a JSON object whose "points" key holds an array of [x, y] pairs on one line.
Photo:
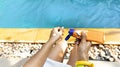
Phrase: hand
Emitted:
{"points": [[83, 47], [56, 33]]}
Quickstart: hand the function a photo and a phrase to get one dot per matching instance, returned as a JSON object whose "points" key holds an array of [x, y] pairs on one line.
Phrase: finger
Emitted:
{"points": [[56, 29], [89, 43], [83, 36], [60, 30], [77, 41]]}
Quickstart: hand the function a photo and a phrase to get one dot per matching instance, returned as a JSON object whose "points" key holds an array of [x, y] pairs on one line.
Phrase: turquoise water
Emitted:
{"points": [[52, 13]]}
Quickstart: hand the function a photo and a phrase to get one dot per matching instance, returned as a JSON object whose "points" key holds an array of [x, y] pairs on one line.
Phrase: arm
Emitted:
{"points": [[80, 50], [40, 57]]}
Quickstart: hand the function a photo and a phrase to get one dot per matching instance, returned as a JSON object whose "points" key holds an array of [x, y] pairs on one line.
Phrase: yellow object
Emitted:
{"points": [[84, 63]]}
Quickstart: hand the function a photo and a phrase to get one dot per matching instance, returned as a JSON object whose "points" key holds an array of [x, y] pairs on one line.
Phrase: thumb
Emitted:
{"points": [[83, 36]]}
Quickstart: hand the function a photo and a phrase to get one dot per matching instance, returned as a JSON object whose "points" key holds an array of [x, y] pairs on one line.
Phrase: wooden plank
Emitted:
{"points": [[112, 35]]}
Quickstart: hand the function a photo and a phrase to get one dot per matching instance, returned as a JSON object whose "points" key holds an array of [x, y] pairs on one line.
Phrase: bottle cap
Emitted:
{"points": [[70, 34]]}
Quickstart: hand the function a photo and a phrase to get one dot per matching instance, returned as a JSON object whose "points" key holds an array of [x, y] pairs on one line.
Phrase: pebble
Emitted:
{"points": [[111, 59]]}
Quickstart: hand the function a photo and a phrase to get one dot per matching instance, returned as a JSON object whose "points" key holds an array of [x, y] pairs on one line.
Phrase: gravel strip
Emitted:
{"points": [[100, 52]]}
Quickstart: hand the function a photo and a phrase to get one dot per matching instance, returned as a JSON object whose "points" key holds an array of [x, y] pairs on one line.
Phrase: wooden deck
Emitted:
{"points": [[112, 35]]}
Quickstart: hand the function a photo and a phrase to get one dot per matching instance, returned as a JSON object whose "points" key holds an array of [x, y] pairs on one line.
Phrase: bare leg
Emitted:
{"points": [[73, 56], [57, 53], [80, 50], [40, 57]]}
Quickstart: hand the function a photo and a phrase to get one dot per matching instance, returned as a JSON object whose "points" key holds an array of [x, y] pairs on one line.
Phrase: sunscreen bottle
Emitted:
{"points": [[92, 35]]}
